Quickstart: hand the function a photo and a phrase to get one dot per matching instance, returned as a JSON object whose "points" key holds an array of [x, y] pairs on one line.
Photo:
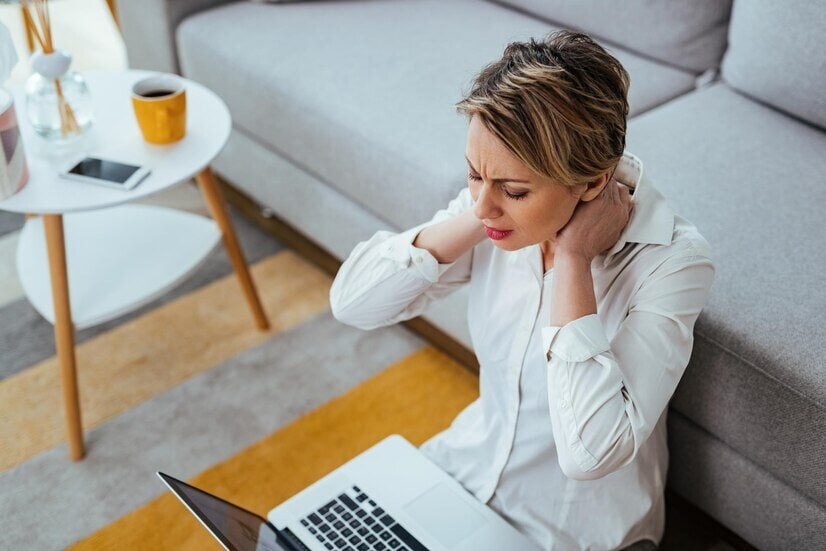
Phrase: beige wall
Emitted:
{"points": [[84, 27]]}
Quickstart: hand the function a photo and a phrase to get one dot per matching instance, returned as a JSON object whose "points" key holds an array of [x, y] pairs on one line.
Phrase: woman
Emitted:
{"points": [[584, 290]]}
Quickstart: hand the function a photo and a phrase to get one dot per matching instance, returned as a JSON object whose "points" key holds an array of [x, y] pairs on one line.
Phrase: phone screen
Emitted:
{"points": [[104, 170]]}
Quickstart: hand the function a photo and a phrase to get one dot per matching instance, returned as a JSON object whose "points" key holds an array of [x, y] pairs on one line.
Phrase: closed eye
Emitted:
{"points": [[516, 197]]}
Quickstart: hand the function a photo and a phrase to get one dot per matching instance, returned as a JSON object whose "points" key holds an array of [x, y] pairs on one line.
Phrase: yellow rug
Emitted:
{"points": [[416, 397]]}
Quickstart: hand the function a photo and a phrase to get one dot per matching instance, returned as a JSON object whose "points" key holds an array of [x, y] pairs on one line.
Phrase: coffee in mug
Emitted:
{"points": [[157, 93], [159, 102]]}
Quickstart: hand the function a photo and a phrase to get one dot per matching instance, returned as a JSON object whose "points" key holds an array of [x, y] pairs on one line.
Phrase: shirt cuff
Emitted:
{"points": [[400, 249], [576, 341]]}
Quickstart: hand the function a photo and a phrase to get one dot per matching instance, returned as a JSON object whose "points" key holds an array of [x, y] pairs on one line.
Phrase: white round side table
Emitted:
{"points": [[86, 256]]}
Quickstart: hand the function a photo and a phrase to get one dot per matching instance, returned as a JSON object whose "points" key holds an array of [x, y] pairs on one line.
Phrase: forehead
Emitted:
{"points": [[485, 149]]}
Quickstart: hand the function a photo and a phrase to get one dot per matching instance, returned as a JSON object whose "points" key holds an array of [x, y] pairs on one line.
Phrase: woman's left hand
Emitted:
{"points": [[596, 225]]}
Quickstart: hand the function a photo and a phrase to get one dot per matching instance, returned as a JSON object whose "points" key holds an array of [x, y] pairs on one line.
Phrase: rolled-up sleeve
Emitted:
{"points": [[606, 397], [386, 279]]}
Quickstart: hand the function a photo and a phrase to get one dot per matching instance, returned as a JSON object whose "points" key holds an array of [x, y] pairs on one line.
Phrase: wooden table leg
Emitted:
{"points": [[64, 331], [215, 203]]}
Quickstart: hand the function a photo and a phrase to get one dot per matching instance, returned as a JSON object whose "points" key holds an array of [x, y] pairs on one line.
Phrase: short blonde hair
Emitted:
{"points": [[560, 105]]}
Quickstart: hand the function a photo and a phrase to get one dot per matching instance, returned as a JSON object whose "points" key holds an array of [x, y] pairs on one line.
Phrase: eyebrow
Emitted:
{"points": [[497, 180]]}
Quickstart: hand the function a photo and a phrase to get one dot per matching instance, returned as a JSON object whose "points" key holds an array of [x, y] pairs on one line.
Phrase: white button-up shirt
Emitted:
{"points": [[567, 440]]}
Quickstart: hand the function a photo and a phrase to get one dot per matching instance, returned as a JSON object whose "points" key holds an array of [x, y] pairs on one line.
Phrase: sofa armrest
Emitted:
{"points": [[148, 28]]}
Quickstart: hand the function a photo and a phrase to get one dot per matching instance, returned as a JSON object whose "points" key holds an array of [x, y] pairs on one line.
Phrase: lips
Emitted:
{"points": [[497, 234]]}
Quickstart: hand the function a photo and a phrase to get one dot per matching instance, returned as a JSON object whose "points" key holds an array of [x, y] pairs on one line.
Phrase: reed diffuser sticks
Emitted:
{"points": [[43, 36]]}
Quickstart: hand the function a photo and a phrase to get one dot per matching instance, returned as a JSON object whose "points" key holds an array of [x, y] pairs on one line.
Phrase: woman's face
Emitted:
{"points": [[511, 197]]}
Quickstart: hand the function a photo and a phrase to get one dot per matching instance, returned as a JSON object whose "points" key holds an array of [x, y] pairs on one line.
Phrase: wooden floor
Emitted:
{"points": [[687, 527]]}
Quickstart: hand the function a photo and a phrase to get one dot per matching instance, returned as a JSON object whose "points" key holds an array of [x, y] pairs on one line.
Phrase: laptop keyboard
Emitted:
{"points": [[354, 522]]}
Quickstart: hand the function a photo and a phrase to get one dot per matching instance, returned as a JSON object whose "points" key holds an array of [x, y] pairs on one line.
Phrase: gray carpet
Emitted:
{"points": [[189, 429], [10, 221]]}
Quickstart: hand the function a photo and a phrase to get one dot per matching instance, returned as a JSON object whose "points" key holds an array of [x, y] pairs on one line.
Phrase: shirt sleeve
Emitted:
{"points": [[386, 279], [606, 398]]}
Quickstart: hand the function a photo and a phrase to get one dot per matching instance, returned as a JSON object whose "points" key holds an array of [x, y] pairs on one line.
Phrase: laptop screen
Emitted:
{"points": [[237, 528]]}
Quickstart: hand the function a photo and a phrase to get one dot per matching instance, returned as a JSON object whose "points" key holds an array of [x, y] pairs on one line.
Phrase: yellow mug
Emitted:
{"points": [[160, 107]]}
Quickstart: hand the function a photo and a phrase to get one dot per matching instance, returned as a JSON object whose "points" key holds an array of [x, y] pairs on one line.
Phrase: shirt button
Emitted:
{"points": [[563, 403], [418, 259]]}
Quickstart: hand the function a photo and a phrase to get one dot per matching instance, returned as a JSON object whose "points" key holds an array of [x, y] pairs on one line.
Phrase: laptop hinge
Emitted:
{"points": [[292, 541]]}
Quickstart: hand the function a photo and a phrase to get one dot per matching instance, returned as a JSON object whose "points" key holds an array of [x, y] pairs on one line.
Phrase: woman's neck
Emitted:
{"points": [[547, 249]]}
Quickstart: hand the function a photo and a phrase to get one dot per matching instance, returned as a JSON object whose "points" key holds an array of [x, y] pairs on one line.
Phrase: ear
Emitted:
{"points": [[592, 189]]}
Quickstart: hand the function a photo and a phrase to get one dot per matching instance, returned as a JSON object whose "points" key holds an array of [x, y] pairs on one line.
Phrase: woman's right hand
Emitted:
{"points": [[476, 224], [450, 239]]}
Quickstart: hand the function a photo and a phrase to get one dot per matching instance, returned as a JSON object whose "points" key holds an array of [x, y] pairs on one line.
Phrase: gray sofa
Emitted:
{"points": [[344, 125]]}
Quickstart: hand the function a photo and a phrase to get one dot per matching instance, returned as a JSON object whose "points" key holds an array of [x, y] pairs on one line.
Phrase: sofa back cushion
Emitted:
{"points": [[689, 34], [777, 54]]}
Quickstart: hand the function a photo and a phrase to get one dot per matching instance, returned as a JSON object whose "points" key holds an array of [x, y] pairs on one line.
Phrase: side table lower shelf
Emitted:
{"points": [[117, 259]]}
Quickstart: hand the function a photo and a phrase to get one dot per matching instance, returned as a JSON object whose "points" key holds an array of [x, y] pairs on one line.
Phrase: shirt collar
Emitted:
{"points": [[652, 220]]}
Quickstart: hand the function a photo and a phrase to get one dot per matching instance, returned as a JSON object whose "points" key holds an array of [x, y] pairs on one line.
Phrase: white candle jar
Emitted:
{"points": [[14, 172]]}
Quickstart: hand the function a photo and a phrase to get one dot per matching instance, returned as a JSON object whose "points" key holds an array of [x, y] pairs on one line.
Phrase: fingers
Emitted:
{"points": [[617, 193], [609, 192], [624, 198], [612, 192], [624, 191], [625, 195]]}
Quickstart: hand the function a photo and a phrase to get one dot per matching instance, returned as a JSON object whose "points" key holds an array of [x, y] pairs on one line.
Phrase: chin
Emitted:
{"points": [[505, 245]]}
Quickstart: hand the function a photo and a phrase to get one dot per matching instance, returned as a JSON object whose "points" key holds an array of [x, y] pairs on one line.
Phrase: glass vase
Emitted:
{"points": [[42, 104]]}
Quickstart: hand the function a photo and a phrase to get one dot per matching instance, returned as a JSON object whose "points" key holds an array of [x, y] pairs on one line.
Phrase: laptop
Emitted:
{"points": [[389, 498]]}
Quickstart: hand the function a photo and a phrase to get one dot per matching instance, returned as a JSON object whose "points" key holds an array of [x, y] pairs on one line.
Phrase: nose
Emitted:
{"points": [[485, 208]]}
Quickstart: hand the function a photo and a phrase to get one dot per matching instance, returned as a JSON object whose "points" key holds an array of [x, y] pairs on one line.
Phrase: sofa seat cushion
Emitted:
{"points": [[361, 94], [751, 179]]}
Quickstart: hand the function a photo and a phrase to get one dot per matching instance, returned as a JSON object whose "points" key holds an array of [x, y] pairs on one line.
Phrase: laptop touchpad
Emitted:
{"points": [[442, 513]]}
